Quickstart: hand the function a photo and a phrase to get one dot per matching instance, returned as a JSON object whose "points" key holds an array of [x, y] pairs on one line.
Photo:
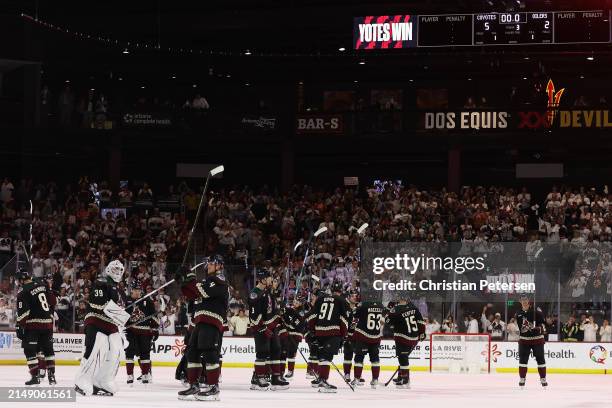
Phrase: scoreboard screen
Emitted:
{"points": [[445, 30], [485, 29], [582, 27], [513, 28]]}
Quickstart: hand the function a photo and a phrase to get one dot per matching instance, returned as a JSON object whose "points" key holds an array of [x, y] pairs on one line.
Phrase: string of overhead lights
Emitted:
{"points": [[127, 46]]}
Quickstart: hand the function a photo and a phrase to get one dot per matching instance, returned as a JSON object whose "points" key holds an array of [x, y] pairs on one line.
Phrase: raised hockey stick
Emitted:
{"points": [[312, 237], [340, 374], [212, 173], [392, 377]]}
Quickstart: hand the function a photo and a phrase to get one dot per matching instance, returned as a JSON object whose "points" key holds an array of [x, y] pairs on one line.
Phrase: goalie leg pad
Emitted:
{"points": [[91, 365], [105, 377]]}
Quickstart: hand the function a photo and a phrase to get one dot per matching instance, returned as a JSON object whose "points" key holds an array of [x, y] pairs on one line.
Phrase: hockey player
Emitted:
{"points": [[368, 334], [264, 320], [330, 327], [532, 328], [408, 329], [312, 367], [35, 325], [291, 337], [210, 298], [181, 369], [142, 330], [103, 341], [349, 342]]}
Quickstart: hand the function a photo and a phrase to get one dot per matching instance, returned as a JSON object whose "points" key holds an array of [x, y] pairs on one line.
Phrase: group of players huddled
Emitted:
{"points": [[328, 320]]}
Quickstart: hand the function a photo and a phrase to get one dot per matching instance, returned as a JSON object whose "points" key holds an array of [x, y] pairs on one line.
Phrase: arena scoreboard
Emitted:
{"points": [[482, 29]]}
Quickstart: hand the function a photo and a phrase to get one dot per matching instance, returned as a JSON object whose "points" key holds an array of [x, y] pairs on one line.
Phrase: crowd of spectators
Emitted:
{"points": [[78, 228]]}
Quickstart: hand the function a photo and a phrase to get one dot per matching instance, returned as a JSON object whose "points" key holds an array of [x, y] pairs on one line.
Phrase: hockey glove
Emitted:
{"points": [[155, 336], [181, 273], [422, 336]]}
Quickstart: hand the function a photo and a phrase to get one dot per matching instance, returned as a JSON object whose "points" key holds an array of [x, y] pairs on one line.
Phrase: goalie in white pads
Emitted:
{"points": [[104, 323]]}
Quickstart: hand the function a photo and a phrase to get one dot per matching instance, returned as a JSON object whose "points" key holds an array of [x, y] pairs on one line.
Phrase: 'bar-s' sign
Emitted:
{"points": [[380, 32]]}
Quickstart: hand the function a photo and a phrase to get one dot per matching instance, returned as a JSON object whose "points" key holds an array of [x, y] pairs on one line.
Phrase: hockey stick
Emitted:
{"points": [[212, 173], [392, 377], [290, 269], [340, 374], [153, 292], [313, 236]]}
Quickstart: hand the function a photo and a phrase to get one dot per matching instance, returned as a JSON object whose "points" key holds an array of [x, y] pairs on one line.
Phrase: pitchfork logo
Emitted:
{"points": [[553, 101]]}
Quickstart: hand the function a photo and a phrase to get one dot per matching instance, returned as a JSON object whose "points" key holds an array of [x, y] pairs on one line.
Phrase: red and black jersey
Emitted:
{"points": [[407, 323], [143, 320], [352, 323], [331, 316], [102, 291], [263, 314], [35, 303], [210, 300], [531, 325], [293, 324], [370, 317]]}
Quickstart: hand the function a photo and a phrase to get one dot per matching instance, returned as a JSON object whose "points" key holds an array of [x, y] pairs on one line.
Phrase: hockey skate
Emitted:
{"points": [[358, 382], [146, 379], [402, 383], [347, 377], [190, 393], [310, 375], [101, 392], [289, 375], [259, 384], [34, 381], [326, 387], [211, 394], [316, 383], [544, 382], [522, 383], [278, 383], [51, 377], [42, 372], [374, 383], [130, 380]]}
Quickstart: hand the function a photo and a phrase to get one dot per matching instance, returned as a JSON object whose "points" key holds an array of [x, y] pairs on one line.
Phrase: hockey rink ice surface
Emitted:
{"points": [[428, 390]]}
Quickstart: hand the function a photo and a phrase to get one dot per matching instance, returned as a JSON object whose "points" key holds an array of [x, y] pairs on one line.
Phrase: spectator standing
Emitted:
{"points": [[431, 326], [239, 324], [513, 330], [472, 325], [449, 325], [590, 330], [167, 324], [605, 332], [571, 330], [497, 328]]}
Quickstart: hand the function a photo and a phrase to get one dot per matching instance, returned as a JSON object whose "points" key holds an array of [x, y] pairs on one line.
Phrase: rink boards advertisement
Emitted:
{"points": [[561, 357]]}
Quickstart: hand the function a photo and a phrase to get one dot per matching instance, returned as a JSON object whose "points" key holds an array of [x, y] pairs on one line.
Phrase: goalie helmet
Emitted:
{"points": [[114, 270]]}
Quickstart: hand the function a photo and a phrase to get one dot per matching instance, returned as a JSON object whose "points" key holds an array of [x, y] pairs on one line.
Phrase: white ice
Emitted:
{"points": [[428, 391]]}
